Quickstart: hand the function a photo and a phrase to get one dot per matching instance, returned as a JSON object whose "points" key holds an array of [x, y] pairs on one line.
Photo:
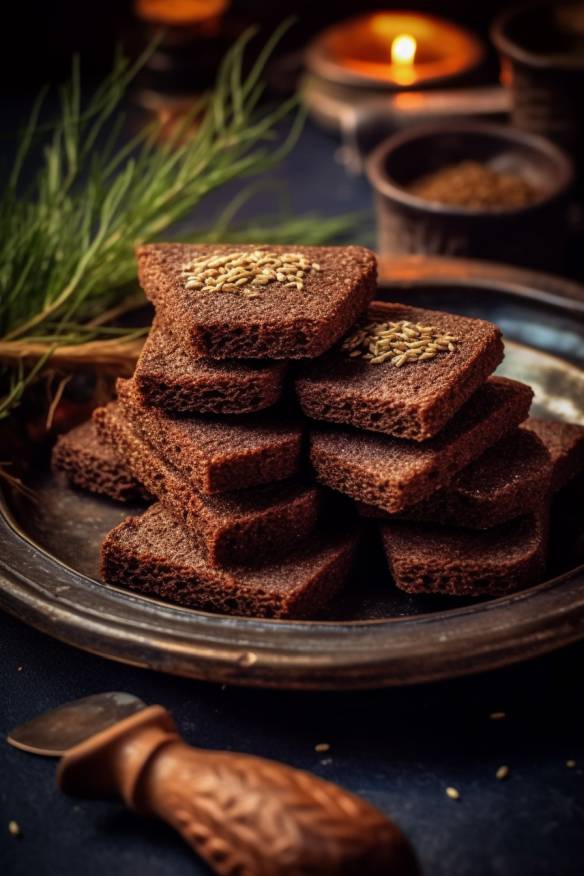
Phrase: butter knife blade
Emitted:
{"points": [[55, 732]]}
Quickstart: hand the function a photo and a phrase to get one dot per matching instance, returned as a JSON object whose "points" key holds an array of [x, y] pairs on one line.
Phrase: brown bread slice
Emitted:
{"points": [[413, 401], [282, 322], [93, 466], [393, 474], [155, 555], [507, 481], [170, 377], [459, 562], [218, 455], [565, 444], [242, 527]]}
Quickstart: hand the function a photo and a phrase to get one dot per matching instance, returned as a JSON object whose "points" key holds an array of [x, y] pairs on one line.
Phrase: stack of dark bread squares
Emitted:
{"points": [[270, 384]]}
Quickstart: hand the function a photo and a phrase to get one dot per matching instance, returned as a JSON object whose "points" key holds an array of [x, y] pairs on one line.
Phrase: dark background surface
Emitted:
{"points": [[398, 748], [40, 39]]}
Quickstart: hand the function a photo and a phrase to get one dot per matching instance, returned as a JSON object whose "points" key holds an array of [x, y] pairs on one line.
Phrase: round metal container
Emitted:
{"points": [[541, 45], [533, 235]]}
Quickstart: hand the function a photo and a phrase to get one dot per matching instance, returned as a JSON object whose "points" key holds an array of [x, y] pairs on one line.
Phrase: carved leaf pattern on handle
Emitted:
{"points": [[247, 816]]}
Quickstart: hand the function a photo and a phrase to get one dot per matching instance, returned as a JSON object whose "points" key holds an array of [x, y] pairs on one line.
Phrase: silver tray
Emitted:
{"points": [[373, 636]]}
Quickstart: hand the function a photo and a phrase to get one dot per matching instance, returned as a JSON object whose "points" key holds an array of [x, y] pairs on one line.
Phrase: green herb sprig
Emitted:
{"points": [[67, 239]]}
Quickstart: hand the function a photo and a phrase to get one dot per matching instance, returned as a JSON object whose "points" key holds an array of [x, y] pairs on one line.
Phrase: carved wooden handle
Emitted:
{"points": [[245, 816]]}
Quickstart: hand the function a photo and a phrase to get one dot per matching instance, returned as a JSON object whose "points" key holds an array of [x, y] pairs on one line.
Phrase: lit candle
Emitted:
{"points": [[403, 49], [403, 53], [395, 49]]}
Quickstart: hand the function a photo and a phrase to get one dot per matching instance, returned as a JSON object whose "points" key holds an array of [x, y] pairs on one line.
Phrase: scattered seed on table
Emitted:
{"points": [[570, 764], [322, 746], [453, 793], [497, 716], [14, 828], [502, 772], [248, 658]]}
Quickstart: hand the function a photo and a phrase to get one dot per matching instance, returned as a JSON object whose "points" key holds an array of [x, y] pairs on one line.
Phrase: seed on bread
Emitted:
{"points": [[398, 342], [259, 267]]}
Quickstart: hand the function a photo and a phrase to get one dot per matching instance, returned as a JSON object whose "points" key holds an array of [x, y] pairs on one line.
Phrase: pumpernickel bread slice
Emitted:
{"points": [[402, 371], [459, 562], [93, 466], [393, 474], [565, 444], [507, 481], [155, 555], [242, 527], [171, 377], [258, 302], [218, 455]]}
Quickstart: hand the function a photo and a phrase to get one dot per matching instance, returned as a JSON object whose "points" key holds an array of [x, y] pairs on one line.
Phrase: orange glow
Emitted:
{"points": [[400, 48], [403, 49], [179, 12]]}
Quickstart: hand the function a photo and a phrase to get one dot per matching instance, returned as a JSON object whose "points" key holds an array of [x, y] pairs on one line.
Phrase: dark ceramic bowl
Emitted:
{"points": [[533, 235], [541, 45]]}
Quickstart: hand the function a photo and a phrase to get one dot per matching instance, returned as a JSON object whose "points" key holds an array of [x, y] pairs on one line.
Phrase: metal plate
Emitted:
{"points": [[375, 635]]}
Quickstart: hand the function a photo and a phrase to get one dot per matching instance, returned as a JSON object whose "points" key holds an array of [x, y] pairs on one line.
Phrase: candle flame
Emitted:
{"points": [[403, 50]]}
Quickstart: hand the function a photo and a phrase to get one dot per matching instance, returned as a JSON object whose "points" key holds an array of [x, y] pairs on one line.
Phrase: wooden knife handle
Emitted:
{"points": [[244, 815]]}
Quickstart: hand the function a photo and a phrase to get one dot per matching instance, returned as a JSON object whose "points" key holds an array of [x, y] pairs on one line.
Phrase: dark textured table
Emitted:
{"points": [[398, 748]]}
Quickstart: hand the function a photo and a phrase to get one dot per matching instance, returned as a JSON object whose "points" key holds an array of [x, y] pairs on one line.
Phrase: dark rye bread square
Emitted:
{"points": [[413, 401], [155, 555], [282, 322], [565, 444], [507, 481], [171, 377], [393, 474], [218, 455], [242, 527], [461, 562], [93, 466]]}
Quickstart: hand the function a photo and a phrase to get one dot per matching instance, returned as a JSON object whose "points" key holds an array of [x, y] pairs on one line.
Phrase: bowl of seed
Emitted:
{"points": [[473, 190]]}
